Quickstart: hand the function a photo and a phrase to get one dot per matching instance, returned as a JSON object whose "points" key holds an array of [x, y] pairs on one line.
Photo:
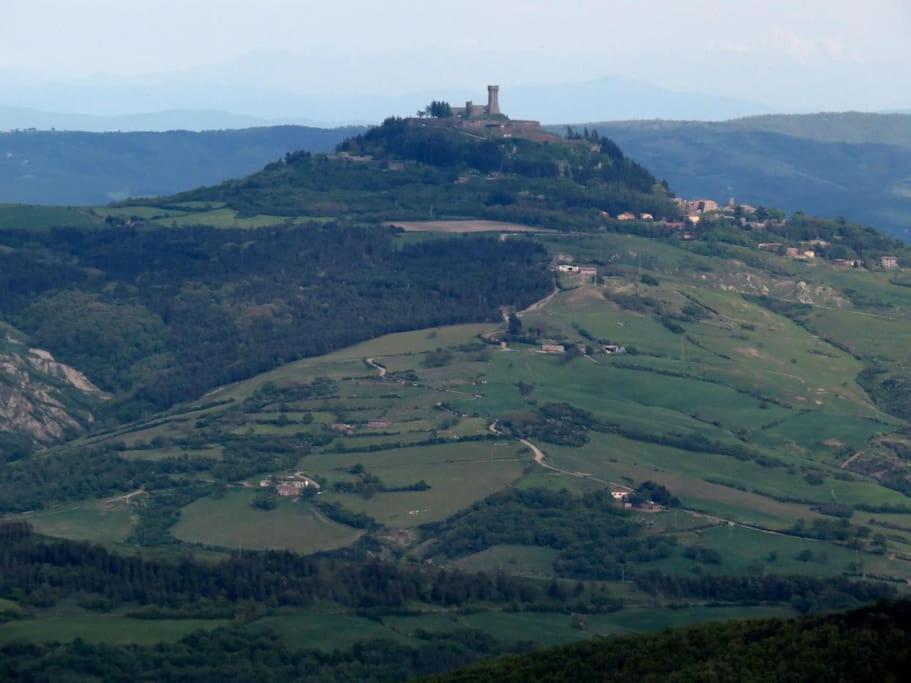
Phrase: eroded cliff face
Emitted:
{"points": [[41, 398]]}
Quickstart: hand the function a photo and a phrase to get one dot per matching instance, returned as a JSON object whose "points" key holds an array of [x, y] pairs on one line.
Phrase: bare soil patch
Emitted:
{"points": [[463, 226]]}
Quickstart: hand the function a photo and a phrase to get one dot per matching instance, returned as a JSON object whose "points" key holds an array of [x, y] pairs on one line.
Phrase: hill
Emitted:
{"points": [[853, 165], [413, 169], [869, 644], [850, 127], [50, 167]]}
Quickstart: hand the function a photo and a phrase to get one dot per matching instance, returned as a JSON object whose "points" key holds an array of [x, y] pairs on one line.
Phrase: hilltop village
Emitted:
{"points": [[689, 218]]}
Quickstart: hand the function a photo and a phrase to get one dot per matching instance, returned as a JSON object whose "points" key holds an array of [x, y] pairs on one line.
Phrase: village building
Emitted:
{"points": [[567, 268], [646, 216], [626, 216], [613, 349], [888, 262], [553, 348], [770, 246], [588, 271], [286, 490]]}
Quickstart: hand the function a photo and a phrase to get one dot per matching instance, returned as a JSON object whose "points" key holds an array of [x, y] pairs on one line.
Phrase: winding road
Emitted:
{"points": [[373, 364]]}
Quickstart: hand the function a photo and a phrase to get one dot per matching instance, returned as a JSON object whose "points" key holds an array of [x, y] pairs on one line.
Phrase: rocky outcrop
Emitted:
{"points": [[749, 282], [41, 398]]}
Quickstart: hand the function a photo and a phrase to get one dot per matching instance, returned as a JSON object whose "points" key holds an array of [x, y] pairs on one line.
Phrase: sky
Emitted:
{"points": [[785, 54]]}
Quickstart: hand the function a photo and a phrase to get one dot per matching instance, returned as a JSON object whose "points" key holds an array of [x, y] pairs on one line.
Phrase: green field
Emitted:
{"points": [[100, 521], [458, 474], [231, 522], [24, 217], [102, 628], [515, 559]]}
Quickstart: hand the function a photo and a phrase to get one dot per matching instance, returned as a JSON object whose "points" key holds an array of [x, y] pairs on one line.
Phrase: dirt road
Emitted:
{"points": [[538, 305], [373, 364]]}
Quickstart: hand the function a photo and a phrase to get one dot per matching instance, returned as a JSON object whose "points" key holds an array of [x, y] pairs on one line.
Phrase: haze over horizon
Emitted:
{"points": [[280, 60]]}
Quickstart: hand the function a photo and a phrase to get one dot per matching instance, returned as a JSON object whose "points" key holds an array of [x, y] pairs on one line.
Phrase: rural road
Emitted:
{"points": [[541, 458], [373, 364], [538, 305]]}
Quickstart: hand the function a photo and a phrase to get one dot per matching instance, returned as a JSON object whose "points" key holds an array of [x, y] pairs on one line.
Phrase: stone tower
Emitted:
{"points": [[493, 100]]}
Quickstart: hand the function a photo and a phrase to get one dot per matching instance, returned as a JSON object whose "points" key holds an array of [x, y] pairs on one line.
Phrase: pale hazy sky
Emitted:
{"points": [[824, 53]]}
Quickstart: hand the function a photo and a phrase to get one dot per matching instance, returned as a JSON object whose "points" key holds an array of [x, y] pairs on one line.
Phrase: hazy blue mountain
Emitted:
{"points": [[826, 164], [195, 105], [173, 119], [96, 168], [859, 127]]}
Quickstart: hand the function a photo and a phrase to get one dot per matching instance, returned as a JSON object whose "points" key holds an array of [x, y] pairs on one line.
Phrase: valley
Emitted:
{"points": [[322, 414]]}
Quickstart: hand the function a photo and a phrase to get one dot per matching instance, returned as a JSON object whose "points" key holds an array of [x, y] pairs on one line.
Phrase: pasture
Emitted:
{"points": [[100, 521], [232, 522]]}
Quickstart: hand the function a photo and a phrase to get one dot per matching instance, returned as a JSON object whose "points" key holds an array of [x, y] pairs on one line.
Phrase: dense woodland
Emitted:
{"points": [[38, 572], [401, 170], [594, 536], [161, 316], [870, 644]]}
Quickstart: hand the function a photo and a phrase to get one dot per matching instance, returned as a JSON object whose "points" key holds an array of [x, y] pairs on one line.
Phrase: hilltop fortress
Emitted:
{"points": [[488, 119], [476, 111]]}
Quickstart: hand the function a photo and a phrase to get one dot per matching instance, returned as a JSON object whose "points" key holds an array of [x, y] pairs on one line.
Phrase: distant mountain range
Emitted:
{"points": [[854, 165], [212, 105], [24, 118]]}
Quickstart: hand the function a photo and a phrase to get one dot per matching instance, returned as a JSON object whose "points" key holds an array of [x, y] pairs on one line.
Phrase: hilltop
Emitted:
{"points": [[417, 169]]}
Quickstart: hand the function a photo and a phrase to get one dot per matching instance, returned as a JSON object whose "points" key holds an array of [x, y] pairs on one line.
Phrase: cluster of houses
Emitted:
{"points": [[708, 210], [609, 349], [806, 252], [290, 486]]}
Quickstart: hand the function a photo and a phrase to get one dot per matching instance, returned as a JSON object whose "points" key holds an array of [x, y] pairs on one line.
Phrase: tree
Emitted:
{"points": [[438, 109], [514, 325]]}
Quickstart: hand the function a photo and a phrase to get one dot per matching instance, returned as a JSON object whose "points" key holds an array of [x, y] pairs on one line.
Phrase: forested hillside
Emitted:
{"points": [[871, 644], [852, 165], [68, 167], [408, 171], [160, 316]]}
